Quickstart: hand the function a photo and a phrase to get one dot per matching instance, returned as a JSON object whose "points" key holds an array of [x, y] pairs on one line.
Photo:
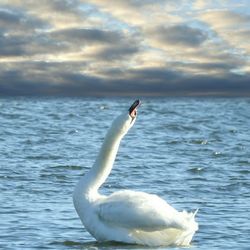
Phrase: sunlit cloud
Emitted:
{"points": [[230, 26]]}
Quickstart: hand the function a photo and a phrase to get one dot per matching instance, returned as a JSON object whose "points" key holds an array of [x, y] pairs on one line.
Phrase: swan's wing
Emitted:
{"points": [[138, 210]]}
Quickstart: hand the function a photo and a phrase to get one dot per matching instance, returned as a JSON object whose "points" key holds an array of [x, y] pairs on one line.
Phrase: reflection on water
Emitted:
{"points": [[93, 245]]}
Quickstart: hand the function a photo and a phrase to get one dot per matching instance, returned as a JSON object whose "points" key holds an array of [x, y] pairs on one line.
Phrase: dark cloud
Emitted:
{"points": [[231, 85], [164, 82], [221, 67], [8, 17], [182, 35], [54, 83], [18, 33], [60, 80], [13, 82], [30, 45], [11, 46], [155, 75], [83, 36], [118, 52], [115, 45], [13, 20]]}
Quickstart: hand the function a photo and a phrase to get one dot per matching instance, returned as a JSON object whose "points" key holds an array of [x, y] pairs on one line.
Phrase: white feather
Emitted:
{"points": [[147, 212]]}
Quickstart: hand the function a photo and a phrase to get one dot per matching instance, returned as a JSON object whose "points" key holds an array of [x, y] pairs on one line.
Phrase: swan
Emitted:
{"points": [[127, 216]]}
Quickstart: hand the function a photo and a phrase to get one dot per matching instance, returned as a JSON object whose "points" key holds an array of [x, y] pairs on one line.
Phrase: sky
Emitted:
{"points": [[124, 48]]}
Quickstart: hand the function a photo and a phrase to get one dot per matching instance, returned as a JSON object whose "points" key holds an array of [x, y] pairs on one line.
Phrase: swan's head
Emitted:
{"points": [[126, 120]]}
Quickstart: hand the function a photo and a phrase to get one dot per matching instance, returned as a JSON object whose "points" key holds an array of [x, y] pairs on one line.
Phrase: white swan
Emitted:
{"points": [[127, 216]]}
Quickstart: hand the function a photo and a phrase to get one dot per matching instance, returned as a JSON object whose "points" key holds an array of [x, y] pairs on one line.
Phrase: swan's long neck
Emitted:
{"points": [[105, 160], [102, 167]]}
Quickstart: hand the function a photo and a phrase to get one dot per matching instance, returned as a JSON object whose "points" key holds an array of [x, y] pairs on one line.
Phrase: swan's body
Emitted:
{"points": [[127, 216]]}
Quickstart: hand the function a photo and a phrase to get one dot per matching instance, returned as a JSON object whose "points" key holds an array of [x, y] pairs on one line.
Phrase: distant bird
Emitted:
{"points": [[127, 216]]}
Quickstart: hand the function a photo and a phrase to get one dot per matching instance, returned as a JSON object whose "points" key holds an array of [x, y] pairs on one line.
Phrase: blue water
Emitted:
{"points": [[195, 153]]}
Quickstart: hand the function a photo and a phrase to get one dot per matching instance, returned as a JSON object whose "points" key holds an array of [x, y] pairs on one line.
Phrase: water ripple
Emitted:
{"points": [[192, 152]]}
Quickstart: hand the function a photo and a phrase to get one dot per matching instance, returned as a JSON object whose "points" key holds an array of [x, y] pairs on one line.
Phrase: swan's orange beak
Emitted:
{"points": [[132, 109]]}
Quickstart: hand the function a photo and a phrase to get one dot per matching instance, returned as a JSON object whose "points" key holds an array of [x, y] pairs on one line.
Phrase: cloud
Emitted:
{"points": [[83, 36], [8, 17], [225, 19], [178, 35], [138, 14], [58, 13], [231, 26], [29, 45], [16, 21], [76, 47], [117, 52], [64, 79], [10, 46], [100, 44]]}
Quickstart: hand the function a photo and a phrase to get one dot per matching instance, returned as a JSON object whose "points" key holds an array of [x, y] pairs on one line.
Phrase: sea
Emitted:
{"points": [[192, 152]]}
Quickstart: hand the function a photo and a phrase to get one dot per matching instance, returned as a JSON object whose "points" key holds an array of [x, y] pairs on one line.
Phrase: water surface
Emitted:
{"points": [[195, 153]]}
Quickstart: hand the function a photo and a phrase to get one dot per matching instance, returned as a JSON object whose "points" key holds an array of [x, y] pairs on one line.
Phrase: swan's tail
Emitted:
{"points": [[191, 224], [192, 227]]}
